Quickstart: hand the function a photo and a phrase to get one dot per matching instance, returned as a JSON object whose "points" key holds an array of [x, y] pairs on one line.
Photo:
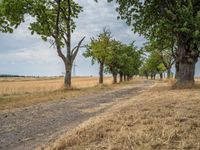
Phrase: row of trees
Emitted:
{"points": [[172, 29], [114, 57], [152, 66], [54, 21], [168, 25]]}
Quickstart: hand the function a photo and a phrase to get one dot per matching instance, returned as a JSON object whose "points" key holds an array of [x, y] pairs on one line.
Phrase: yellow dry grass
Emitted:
{"points": [[160, 118], [20, 92], [32, 85]]}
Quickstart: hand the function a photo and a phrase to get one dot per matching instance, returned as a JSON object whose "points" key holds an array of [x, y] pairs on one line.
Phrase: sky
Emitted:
{"points": [[25, 54]]}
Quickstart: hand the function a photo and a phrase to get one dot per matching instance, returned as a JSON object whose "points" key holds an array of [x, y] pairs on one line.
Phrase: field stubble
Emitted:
{"points": [[160, 118]]}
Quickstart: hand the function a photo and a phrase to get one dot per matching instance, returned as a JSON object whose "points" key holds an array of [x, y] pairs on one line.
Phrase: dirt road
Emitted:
{"points": [[26, 128]]}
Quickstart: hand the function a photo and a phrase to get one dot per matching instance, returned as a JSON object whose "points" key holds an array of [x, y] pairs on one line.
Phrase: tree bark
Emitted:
{"points": [[185, 77], [114, 78], [161, 76], [101, 73], [121, 76], [187, 56], [68, 72], [125, 77], [168, 73], [177, 69], [154, 76], [151, 76]]}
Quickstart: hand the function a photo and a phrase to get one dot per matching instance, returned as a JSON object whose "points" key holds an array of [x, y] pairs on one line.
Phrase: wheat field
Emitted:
{"points": [[10, 86], [21, 92]]}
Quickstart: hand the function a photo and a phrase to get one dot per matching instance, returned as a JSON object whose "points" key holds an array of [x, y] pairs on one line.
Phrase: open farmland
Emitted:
{"points": [[115, 87], [28, 127], [9, 86], [20, 92]]}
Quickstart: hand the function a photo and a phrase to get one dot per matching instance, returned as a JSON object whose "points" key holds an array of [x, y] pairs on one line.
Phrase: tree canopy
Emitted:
{"points": [[115, 57], [163, 19], [53, 20]]}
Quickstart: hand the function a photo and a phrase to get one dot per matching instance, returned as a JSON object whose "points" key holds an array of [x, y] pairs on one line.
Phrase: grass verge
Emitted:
{"points": [[160, 118]]}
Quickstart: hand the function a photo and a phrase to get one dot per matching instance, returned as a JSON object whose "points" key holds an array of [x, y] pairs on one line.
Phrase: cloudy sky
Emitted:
{"points": [[24, 54]]}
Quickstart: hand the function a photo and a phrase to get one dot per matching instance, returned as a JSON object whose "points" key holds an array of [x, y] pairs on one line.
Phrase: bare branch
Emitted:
{"points": [[76, 49]]}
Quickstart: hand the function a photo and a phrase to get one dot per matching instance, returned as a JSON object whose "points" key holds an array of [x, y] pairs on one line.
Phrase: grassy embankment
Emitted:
{"points": [[20, 92], [160, 118]]}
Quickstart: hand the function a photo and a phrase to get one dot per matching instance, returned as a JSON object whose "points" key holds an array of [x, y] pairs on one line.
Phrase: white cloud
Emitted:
{"points": [[23, 48]]}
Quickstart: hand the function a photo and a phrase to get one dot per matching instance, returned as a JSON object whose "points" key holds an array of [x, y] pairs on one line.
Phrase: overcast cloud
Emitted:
{"points": [[24, 54]]}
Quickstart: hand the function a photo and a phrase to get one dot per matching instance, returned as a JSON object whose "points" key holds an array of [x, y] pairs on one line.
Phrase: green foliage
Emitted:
{"points": [[163, 19], [158, 20], [53, 20], [98, 48], [44, 16], [117, 57], [12, 14], [153, 65], [44, 13], [130, 60]]}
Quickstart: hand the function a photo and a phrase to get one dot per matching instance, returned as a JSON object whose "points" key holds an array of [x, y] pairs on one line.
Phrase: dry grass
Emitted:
{"points": [[160, 118], [20, 92], [32, 85]]}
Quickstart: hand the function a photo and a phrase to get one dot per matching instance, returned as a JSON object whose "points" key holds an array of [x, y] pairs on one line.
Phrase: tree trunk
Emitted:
{"points": [[114, 78], [168, 73], [125, 77], [101, 73], [185, 76], [177, 69], [129, 78], [151, 76], [161, 76], [67, 79], [121, 76], [187, 56], [154, 76]]}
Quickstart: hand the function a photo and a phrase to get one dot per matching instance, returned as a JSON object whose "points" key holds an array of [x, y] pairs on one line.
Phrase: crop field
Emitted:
{"points": [[19, 92], [10, 86]]}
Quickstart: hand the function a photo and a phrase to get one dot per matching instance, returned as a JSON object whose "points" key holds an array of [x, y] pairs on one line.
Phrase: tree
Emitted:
{"points": [[122, 59], [164, 50], [98, 49], [53, 20], [153, 65], [130, 61], [113, 59], [144, 71], [180, 18]]}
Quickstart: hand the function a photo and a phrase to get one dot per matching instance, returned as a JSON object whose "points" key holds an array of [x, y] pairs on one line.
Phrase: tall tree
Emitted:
{"points": [[130, 60], [113, 59], [181, 18], [98, 49], [53, 20]]}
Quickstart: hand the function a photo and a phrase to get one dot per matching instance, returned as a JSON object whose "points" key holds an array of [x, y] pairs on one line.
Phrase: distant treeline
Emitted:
{"points": [[8, 75], [23, 76]]}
